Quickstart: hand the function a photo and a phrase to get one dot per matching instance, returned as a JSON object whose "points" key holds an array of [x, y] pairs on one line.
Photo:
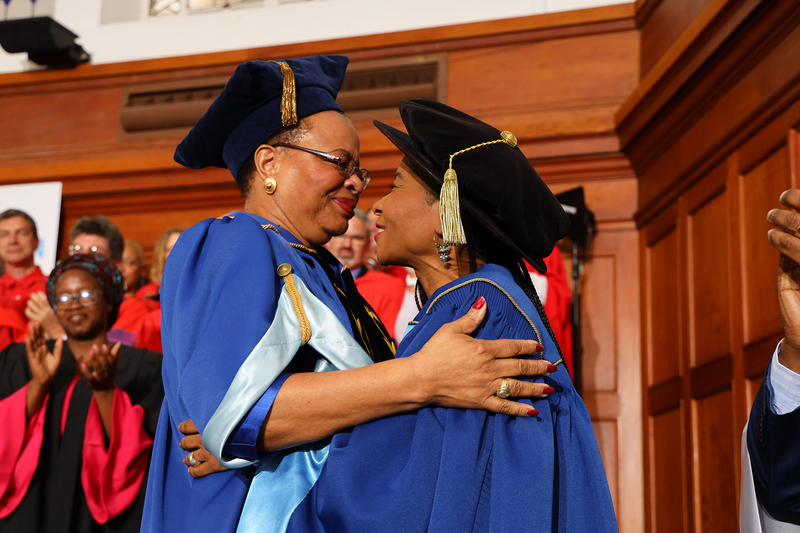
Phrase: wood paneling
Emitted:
{"points": [[710, 134], [667, 502], [662, 309], [761, 188], [599, 329], [715, 500], [708, 282], [666, 20]]}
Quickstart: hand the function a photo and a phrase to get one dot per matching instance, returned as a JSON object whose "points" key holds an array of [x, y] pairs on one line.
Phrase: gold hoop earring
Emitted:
{"points": [[270, 185]]}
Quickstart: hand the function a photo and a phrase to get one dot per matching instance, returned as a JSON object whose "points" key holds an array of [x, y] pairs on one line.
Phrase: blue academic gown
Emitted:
{"points": [[229, 333], [453, 470]]}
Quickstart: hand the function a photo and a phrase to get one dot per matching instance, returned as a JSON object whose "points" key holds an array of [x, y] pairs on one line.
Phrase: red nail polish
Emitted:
{"points": [[533, 412], [480, 302], [548, 390], [539, 348], [551, 368]]}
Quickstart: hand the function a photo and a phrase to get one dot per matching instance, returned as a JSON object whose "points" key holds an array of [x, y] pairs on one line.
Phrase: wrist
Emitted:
{"points": [[104, 393], [422, 393], [40, 388]]}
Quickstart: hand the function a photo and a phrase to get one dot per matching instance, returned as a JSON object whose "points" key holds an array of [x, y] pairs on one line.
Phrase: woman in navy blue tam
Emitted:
{"points": [[466, 207], [255, 313]]}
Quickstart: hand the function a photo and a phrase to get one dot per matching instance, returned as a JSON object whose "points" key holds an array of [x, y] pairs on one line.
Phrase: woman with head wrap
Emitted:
{"points": [[78, 415]]}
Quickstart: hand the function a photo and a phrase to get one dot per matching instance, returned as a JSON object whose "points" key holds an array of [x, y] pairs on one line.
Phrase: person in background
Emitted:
{"points": [[95, 235], [132, 267], [383, 292], [18, 242], [160, 253], [770, 499], [78, 416], [149, 335], [556, 299]]}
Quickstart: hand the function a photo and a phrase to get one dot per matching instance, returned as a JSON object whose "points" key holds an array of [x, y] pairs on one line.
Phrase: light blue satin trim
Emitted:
{"points": [[335, 344], [279, 485]]}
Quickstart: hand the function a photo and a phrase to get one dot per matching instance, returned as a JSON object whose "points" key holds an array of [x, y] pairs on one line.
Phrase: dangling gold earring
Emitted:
{"points": [[444, 252], [270, 185]]}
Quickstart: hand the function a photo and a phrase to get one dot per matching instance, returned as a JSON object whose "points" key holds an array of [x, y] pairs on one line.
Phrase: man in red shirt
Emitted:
{"points": [[18, 242], [383, 292]]}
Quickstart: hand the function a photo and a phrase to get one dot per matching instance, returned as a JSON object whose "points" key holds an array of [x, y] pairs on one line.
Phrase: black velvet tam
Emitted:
{"points": [[248, 110], [496, 183]]}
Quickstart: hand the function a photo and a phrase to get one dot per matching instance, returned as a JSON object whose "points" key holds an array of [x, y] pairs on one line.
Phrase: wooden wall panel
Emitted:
{"points": [[667, 501], [68, 118], [715, 498], [600, 347], [662, 309], [761, 188], [665, 21], [711, 134], [596, 69], [708, 282]]}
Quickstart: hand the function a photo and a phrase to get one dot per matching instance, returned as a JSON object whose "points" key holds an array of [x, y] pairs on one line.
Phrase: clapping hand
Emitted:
{"points": [[42, 361], [100, 367]]}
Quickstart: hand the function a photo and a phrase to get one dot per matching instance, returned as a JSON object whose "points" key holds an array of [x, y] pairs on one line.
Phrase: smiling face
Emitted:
{"points": [[82, 323], [408, 221], [17, 241], [313, 200]]}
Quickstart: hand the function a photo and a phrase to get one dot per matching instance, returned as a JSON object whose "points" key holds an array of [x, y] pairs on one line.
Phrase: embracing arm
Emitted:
{"points": [[452, 370]]}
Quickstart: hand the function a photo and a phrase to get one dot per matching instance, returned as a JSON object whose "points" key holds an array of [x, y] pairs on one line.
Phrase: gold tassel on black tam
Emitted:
{"points": [[449, 210], [289, 98]]}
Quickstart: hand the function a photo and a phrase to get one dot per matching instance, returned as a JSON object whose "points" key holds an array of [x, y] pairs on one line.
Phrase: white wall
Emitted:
{"points": [[272, 23]]}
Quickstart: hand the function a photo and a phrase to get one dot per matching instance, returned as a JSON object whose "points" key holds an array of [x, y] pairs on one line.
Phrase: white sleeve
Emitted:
{"points": [[785, 386]]}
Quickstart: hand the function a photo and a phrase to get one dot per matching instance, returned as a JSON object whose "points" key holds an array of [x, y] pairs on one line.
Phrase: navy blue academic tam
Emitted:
{"points": [[248, 111]]}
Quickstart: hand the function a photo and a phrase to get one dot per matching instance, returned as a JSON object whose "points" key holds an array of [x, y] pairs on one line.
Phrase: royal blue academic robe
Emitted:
{"points": [[446, 470], [230, 333]]}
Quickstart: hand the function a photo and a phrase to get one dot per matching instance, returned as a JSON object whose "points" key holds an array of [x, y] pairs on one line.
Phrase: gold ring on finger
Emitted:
{"points": [[505, 390], [797, 232]]}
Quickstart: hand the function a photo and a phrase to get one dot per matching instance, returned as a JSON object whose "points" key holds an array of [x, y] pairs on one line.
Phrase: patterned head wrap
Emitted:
{"points": [[101, 269]]}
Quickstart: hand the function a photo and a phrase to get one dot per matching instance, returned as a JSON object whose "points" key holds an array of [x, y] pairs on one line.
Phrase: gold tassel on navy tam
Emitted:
{"points": [[289, 97], [449, 204]]}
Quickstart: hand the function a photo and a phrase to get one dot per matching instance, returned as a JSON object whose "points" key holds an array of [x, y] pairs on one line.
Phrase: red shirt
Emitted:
{"points": [[384, 293], [14, 294], [558, 303]]}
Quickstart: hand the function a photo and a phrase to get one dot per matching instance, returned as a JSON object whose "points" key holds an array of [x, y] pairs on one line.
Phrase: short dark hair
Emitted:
{"points": [[290, 135], [10, 213], [102, 226]]}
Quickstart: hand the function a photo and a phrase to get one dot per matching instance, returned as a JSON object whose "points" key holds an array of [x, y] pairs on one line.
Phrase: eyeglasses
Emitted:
{"points": [[75, 249], [345, 163], [85, 299]]}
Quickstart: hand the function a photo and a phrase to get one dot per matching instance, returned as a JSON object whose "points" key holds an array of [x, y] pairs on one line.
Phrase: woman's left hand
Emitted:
{"points": [[100, 367], [207, 463]]}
